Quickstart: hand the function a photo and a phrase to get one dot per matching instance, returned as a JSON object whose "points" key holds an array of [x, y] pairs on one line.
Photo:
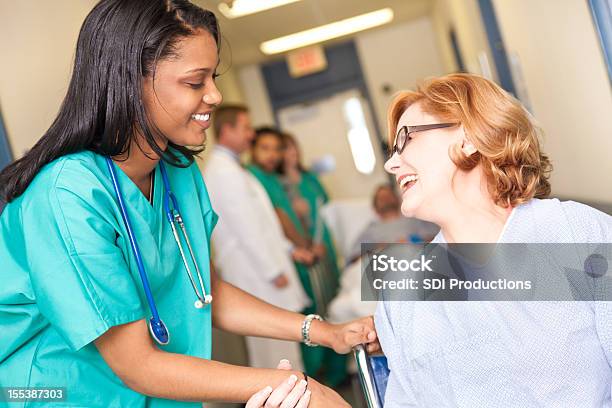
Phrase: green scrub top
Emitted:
{"points": [[314, 193], [68, 275]]}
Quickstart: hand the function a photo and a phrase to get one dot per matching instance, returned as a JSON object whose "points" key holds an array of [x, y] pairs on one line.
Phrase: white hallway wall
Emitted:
{"points": [[567, 82], [397, 57], [37, 43]]}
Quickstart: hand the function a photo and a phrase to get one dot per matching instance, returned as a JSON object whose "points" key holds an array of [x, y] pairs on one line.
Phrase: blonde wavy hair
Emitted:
{"points": [[503, 132]]}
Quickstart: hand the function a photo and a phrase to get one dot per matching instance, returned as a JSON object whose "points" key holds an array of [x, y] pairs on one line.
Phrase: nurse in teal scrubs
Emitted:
{"points": [[73, 312]]}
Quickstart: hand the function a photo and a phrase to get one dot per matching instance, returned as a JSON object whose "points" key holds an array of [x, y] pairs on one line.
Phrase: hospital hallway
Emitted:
{"points": [[310, 163]]}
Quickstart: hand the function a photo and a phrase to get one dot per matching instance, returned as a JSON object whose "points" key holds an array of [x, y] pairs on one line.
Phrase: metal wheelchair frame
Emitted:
{"points": [[373, 377]]}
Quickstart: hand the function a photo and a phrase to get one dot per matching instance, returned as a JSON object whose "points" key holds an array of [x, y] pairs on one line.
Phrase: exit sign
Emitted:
{"points": [[306, 61]]}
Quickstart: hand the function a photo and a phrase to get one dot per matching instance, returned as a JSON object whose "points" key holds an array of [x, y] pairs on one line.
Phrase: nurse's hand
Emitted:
{"points": [[343, 337], [290, 394]]}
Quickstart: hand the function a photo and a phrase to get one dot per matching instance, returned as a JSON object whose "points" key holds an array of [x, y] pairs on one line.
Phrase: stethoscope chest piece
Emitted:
{"points": [[159, 331]]}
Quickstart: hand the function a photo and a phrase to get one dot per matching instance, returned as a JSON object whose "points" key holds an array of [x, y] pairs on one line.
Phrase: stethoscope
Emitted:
{"points": [[157, 327]]}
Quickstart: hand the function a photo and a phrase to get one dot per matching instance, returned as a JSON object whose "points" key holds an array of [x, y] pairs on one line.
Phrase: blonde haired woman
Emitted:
{"points": [[466, 156]]}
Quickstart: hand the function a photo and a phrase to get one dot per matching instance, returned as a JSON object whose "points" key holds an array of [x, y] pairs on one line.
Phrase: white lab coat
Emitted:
{"points": [[249, 247]]}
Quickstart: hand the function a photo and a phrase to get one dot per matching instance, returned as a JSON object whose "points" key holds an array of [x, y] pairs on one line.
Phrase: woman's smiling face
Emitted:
{"points": [[424, 170], [180, 98]]}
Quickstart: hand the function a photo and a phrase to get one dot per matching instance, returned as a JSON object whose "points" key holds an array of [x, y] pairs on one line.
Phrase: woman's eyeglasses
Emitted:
{"points": [[403, 134]]}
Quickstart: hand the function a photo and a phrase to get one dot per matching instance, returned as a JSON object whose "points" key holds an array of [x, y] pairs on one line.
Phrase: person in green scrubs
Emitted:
{"points": [[73, 313], [267, 155], [305, 185]]}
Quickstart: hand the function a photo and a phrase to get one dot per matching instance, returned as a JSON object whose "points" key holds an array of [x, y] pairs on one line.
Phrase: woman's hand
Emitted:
{"points": [[319, 251], [303, 255], [301, 207], [343, 337], [290, 394]]}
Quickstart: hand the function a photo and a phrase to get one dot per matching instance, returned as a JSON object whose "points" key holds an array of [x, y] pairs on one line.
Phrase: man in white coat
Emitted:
{"points": [[250, 250]]}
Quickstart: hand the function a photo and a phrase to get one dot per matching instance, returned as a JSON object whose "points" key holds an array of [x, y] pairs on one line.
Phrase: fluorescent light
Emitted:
{"points": [[241, 8], [359, 137], [363, 154], [327, 31]]}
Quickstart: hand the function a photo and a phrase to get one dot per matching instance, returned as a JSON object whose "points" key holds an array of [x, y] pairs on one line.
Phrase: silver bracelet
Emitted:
{"points": [[306, 329]]}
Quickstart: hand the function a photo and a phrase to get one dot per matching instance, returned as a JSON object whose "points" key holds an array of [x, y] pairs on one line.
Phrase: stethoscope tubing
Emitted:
{"points": [[133, 243], [174, 216]]}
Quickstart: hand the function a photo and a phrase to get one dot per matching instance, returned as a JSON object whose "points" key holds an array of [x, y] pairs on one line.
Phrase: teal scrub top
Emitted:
{"points": [[68, 275]]}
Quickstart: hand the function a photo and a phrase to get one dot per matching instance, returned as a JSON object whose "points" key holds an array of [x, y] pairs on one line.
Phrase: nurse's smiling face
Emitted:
{"points": [[181, 98], [424, 171]]}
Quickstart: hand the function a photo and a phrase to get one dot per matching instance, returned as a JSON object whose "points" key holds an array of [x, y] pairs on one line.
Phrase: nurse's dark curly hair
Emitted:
{"points": [[120, 43], [504, 133]]}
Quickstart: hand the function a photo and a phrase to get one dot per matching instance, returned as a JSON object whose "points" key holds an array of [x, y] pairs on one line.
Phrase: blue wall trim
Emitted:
{"points": [[5, 152], [5, 149], [497, 45], [602, 17], [457, 50]]}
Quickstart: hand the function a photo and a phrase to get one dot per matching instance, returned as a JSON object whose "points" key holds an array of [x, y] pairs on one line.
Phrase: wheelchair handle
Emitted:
{"points": [[366, 377]]}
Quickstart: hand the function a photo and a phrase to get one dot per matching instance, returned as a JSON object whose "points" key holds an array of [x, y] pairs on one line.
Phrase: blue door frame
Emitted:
{"points": [[456, 50], [5, 149], [602, 17], [5, 152], [497, 45]]}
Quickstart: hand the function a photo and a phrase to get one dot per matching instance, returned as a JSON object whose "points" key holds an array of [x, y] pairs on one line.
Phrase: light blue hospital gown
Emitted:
{"points": [[505, 354]]}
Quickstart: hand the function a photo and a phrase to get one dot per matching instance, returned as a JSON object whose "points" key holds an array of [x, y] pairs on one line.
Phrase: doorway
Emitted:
{"points": [[338, 133]]}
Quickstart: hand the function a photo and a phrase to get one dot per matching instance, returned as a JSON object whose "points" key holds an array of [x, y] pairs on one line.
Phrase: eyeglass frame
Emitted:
{"points": [[415, 129]]}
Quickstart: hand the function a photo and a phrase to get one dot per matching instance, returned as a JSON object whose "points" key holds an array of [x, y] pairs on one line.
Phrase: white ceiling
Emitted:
{"points": [[242, 36]]}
